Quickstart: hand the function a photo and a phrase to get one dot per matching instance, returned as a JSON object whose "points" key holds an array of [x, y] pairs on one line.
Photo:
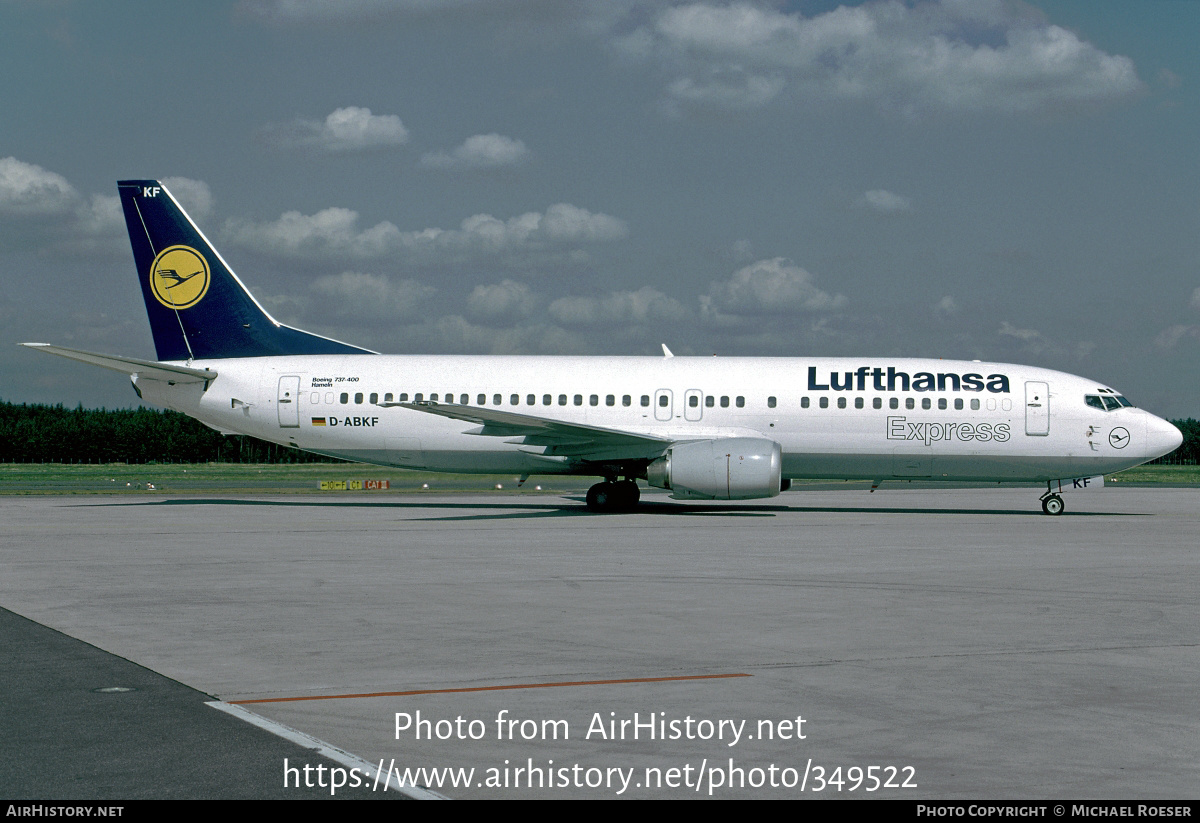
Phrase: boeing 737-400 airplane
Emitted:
{"points": [[733, 428]]}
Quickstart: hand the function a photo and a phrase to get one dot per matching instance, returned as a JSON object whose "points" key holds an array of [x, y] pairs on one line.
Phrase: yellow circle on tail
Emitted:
{"points": [[179, 277]]}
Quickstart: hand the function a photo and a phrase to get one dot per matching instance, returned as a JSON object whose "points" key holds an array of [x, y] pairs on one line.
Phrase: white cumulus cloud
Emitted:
{"points": [[348, 129], [885, 202], [31, 190], [193, 195], [618, 308], [949, 55], [370, 296], [327, 11], [768, 287], [334, 232], [947, 306], [1027, 335], [483, 151], [504, 300]]}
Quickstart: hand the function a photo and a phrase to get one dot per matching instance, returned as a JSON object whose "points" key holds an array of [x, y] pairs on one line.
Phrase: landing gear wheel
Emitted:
{"points": [[599, 497], [613, 496], [628, 495], [1053, 504]]}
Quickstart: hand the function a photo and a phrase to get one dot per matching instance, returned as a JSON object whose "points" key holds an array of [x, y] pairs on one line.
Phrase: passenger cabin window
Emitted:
{"points": [[610, 400], [345, 398], [694, 402], [626, 400], [358, 397], [418, 397], [710, 401], [804, 402], [481, 400], [645, 400], [926, 403], [579, 400], [975, 404], [387, 398], [858, 402], [741, 402], [724, 401], [909, 403], [562, 400], [877, 403], [531, 400], [403, 397], [824, 402], [941, 402], [514, 399], [770, 402], [894, 403], [594, 400], [497, 400], [958, 404], [547, 400], [841, 402], [464, 399], [663, 400]]}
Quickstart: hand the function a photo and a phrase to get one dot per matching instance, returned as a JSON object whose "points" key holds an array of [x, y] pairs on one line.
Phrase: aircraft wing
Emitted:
{"points": [[130, 365], [554, 439]]}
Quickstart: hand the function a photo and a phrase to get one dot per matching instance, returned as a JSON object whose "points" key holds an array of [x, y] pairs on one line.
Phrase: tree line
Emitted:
{"points": [[34, 433]]}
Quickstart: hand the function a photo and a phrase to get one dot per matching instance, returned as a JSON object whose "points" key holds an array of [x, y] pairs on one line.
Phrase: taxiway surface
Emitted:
{"points": [[956, 640]]}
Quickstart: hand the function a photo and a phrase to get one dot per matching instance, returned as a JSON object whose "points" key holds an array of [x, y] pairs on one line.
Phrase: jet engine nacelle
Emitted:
{"points": [[735, 468]]}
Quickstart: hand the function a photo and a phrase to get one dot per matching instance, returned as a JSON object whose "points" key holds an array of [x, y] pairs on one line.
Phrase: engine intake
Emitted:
{"points": [[734, 468]]}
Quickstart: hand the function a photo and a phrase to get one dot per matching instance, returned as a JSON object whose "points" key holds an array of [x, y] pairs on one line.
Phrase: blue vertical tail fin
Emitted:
{"points": [[198, 308]]}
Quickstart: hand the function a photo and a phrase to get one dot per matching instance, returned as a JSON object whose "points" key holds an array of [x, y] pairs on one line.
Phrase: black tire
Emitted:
{"points": [[628, 495], [600, 497], [608, 497], [1053, 505]]}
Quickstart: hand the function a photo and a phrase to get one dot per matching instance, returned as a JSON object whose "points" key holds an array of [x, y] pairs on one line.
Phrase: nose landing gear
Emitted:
{"points": [[1052, 503]]}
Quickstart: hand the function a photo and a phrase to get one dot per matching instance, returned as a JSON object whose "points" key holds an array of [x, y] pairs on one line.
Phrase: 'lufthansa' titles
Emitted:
{"points": [[889, 379]]}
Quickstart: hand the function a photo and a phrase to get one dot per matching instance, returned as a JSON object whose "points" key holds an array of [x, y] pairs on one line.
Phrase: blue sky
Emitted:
{"points": [[1016, 182]]}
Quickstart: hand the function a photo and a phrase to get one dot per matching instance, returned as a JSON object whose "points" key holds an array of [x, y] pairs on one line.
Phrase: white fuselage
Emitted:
{"points": [[853, 418]]}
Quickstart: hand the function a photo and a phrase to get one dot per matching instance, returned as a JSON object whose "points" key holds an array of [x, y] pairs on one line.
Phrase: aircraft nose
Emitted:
{"points": [[1161, 437]]}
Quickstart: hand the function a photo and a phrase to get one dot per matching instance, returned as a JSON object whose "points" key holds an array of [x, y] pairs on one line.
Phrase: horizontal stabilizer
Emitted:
{"points": [[130, 365]]}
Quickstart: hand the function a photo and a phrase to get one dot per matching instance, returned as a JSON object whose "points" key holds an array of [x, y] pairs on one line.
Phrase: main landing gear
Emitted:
{"points": [[613, 496], [1052, 503]]}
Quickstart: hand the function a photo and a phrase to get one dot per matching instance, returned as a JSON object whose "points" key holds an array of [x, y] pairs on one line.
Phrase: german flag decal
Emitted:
{"points": [[318, 421]]}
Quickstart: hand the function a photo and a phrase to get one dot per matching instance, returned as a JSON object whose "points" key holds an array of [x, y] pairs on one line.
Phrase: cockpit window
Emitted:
{"points": [[1106, 402]]}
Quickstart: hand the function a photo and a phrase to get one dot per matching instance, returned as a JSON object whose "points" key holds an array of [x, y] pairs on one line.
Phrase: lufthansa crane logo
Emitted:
{"points": [[1118, 438], [179, 277]]}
